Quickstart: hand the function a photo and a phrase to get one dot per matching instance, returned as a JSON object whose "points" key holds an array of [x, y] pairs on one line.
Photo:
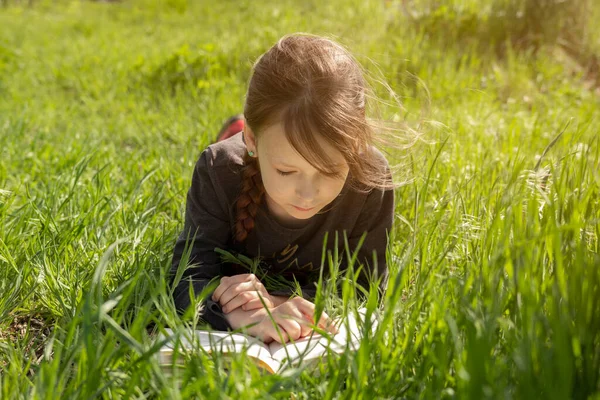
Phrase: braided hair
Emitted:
{"points": [[251, 195]]}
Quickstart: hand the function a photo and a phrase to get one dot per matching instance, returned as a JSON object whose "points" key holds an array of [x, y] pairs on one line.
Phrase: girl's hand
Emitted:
{"points": [[294, 318], [239, 318], [242, 291]]}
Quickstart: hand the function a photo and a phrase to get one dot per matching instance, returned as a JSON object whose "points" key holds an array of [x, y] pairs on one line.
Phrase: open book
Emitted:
{"points": [[273, 357]]}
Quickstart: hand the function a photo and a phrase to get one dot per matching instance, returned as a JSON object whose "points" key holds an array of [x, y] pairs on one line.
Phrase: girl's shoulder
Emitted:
{"points": [[220, 168], [378, 155], [228, 152]]}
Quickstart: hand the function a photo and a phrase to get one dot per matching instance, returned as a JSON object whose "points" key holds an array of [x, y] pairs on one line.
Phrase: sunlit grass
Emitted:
{"points": [[494, 287]]}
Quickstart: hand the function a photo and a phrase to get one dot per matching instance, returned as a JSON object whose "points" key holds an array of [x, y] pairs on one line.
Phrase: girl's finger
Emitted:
{"points": [[329, 325], [289, 328], [255, 304], [223, 285], [245, 277], [326, 323], [242, 299], [306, 330], [227, 281], [308, 309], [237, 302], [221, 289], [234, 290], [305, 321]]}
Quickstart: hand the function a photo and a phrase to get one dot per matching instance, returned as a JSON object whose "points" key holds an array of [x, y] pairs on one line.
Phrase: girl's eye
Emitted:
{"points": [[283, 173]]}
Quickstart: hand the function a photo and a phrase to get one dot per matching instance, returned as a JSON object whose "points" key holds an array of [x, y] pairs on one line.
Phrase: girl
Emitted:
{"points": [[298, 164]]}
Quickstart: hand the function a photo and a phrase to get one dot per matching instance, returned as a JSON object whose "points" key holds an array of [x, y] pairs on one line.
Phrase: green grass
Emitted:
{"points": [[495, 268]]}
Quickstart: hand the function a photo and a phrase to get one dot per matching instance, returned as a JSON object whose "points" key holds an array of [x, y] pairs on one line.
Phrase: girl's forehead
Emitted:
{"points": [[280, 150]]}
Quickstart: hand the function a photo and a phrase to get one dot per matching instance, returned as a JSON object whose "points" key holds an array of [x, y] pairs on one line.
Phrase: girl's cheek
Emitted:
{"points": [[274, 186], [280, 189]]}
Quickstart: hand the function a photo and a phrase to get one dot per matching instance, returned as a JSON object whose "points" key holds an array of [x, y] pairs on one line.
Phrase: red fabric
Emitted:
{"points": [[232, 129]]}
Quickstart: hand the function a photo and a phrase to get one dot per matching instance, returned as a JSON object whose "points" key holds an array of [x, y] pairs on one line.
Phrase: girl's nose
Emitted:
{"points": [[307, 191]]}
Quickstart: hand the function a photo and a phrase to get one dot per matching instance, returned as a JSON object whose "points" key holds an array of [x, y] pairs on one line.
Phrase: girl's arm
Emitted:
{"points": [[206, 226]]}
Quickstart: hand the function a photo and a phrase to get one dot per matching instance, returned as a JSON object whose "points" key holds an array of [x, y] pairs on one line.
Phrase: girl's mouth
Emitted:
{"points": [[303, 209]]}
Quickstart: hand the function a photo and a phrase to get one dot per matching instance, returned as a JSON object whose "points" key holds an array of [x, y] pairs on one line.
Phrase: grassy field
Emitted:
{"points": [[494, 268]]}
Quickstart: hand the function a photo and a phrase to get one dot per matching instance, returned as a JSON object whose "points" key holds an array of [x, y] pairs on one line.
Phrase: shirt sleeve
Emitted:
{"points": [[206, 227], [376, 220]]}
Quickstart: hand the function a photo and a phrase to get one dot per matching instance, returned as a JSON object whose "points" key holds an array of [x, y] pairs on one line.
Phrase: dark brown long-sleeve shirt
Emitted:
{"points": [[294, 253]]}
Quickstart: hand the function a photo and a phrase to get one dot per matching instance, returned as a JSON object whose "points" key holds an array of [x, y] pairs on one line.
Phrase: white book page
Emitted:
{"points": [[315, 345], [220, 342], [272, 356]]}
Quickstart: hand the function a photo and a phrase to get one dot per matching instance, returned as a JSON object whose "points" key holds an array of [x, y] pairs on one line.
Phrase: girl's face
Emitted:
{"points": [[295, 190]]}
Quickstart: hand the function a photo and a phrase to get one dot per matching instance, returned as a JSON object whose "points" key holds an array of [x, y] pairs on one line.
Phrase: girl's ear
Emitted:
{"points": [[249, 138]]}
